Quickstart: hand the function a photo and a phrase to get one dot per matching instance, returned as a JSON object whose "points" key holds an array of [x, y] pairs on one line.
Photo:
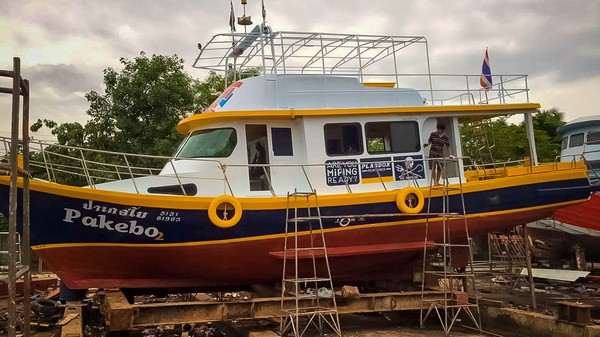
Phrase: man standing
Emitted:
{"points": [[437, 140]]}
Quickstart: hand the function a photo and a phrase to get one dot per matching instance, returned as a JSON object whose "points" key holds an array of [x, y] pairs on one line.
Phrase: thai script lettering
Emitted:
{"points": [[130, 211]]}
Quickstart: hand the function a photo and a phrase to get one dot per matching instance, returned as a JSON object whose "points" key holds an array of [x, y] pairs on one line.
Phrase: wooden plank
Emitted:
{"points": [[117, 311], [153, 314], [556, 274], [71, 321]]}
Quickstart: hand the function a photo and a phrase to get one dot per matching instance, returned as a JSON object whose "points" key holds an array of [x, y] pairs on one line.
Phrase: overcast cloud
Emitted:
{"points": [[65, 45]]}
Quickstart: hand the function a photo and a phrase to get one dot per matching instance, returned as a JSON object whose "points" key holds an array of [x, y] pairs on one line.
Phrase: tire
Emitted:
{"points": [[45, 308]]}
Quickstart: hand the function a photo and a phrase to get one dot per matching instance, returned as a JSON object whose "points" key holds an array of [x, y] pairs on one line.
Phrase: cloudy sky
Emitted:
{"points": [[65, 45]]}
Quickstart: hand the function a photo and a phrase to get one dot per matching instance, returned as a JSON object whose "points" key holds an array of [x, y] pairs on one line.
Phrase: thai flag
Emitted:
{"points": [[486, 73], [232, 18]]}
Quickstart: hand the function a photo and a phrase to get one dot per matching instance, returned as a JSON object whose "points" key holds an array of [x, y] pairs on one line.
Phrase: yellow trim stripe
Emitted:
{"points": [[385, 179], [277, 236], [273, 203], [193, 122]]}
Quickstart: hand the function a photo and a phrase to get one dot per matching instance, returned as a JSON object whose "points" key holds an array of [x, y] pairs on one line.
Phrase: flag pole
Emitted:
{"points": [[232, 28]]}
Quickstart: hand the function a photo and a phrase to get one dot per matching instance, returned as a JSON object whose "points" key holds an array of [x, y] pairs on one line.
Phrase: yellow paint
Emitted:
{"points": [[380, 84], [517, 176], [490, 110], [385, 179]]}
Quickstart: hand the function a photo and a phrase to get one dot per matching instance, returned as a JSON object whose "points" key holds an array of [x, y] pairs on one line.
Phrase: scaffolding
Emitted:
{"points": [[507, 259], [450, 270], [306, 273], [15, 270]]}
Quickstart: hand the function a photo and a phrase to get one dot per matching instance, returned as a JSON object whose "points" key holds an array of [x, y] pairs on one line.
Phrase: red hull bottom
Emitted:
{"points": [[240, 264]]}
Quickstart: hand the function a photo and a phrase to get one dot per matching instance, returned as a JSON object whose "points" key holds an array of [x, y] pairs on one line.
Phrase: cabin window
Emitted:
{"points": [[343, 139], [564, 143], [282, 141], [593, 138], [392, 137], [209, 143], [576, 140]]}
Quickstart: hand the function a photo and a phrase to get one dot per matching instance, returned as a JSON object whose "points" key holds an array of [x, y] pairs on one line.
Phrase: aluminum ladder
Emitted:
{"points": [[450, 218], [306, 273]]}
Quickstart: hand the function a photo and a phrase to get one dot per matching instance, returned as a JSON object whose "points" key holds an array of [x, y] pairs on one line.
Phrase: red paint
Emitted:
{"points": [[586, 215], [385, 255]]}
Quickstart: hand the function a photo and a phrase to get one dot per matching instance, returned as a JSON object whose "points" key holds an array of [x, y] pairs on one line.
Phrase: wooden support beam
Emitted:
{"points": [[71, 321], [120, 315], [117, 311]]}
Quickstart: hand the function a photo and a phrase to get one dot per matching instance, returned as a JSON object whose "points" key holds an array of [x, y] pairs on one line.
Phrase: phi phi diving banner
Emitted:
{"points": [[374, 170]]}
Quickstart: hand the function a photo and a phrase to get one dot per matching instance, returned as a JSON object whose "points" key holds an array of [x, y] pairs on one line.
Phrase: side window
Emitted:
{"points": [[209, 143], [576, 140], [564, 143], [392, 137], [282, 141], [343, 139], [593, 138]]}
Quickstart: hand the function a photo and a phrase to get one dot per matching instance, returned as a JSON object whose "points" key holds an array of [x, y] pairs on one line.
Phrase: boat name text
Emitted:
{"points": [[130, 211], [100, 222]]}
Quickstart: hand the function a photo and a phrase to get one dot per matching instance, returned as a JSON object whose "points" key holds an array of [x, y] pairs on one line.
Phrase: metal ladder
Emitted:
{"points": [[306, 276], [4, 254], [481, 129], [450, 218]]}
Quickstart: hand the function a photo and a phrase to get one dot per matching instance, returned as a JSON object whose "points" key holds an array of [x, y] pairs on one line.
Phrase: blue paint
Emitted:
{"points": [[52, 222]]}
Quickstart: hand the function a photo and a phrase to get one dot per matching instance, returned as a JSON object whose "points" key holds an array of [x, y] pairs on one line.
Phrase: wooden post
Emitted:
{"points": [[529, 272], [11, 329], [25, 240]]}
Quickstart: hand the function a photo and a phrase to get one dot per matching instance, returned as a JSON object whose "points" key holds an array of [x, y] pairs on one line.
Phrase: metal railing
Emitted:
{"points": [[88, 167], [401, 60]]}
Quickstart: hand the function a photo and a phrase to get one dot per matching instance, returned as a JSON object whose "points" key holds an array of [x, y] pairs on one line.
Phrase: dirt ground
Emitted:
{"points": [[405, 323]]}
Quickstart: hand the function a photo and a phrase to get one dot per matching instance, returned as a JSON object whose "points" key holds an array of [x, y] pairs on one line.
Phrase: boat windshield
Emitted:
{"points": [[209, 143]]}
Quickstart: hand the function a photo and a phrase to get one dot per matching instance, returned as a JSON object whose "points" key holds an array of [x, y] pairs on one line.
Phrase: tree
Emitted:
{"points": [[141, 106], [545, 125], [137, 113], [509, 141]]}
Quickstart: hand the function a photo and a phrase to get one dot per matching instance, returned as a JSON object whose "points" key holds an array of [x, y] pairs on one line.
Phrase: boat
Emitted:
{"points": [[576, 227], [340, 117]]}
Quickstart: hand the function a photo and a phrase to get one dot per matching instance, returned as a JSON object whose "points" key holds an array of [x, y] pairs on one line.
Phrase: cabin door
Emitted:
{"points": [[430, 126], [258, 153]]}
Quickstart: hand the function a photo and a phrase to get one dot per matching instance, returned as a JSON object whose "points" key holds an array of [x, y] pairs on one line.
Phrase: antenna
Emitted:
{"points": [[264, 17], [244, 20]]}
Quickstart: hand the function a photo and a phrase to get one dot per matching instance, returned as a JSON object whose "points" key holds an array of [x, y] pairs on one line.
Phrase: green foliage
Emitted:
{"points": [[210, 89], [141, 106], [137, 113], [375, 145], [508, 142], [545, 125]]}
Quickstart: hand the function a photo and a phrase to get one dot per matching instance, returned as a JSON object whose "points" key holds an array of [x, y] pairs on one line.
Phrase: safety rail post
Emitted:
{"points": [[306, 176], [176, 177], [131, 174], [223, 168], [46, 163], [86, 172]]}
